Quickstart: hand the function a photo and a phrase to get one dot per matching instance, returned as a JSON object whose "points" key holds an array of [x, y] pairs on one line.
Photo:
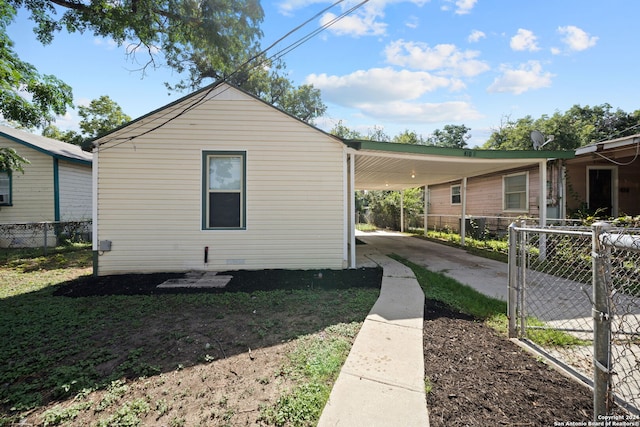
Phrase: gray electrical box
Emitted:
{"points": [[104, 245]]}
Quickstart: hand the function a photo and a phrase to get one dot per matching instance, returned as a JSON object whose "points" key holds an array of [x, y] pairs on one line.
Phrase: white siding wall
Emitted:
{"points": [[75, 191], [32, 191], [150, 193]]}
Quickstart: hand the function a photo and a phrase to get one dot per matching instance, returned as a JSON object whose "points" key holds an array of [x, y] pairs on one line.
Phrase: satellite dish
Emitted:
{"points": [[538, 139]]}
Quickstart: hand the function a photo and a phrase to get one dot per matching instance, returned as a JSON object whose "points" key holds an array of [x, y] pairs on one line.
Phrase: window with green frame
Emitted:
{"points": [[516, 192], [224, 190], [5, 188]]}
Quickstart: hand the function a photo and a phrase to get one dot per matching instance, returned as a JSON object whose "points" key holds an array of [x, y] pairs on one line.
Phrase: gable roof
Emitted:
{"points": [[52, 147], [175, 109]]}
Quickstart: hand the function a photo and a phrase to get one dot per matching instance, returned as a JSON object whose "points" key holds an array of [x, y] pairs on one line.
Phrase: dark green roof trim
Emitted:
{"points": [[457, 152]]}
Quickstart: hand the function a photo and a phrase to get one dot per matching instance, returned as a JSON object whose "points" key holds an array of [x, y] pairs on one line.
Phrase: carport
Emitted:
{"points": [[388, 166]]}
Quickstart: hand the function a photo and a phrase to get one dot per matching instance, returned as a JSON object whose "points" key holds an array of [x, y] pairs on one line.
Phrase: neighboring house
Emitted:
{"points": [[603, 178], [220, 180], [55, 185]]}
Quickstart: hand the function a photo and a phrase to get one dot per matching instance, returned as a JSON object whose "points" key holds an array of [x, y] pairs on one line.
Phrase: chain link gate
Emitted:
{"points": [[574, 295]]}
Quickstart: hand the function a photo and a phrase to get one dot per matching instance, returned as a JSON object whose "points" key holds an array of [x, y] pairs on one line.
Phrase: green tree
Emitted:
{"points": [[452, 136], [576, 127], [10, 160], [101, 116], [409, 137], [70, 136], [342, 131], [46, 95], [200, 38]]}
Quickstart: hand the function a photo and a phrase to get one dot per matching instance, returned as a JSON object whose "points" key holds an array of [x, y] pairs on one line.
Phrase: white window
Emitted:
{"points": [[5, 189], [455, 194], [224, 190], [516, 192]]}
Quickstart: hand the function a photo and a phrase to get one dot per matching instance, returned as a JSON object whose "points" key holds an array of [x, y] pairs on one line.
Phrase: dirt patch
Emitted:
{"points": [[479, 378], [214, 365]]}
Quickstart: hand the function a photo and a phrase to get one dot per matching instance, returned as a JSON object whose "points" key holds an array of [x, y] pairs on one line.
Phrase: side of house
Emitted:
{"points": [[218, 180], [492, 200]]}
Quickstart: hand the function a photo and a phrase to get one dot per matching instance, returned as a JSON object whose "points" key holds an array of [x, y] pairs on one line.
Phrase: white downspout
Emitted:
{"points": [[94, 209], [352, 185], [426, 209], [463, 220], [402, 211], [345, 192]]}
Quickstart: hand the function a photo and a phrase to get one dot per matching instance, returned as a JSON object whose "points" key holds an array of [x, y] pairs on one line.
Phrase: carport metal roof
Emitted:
{"points": [[391, 166]]}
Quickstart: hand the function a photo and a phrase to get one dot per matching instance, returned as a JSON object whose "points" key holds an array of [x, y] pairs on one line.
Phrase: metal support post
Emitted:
{"points": [[601, 255], [513, 280]]}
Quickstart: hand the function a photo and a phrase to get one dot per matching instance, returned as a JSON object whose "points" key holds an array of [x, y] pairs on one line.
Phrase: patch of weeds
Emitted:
{"points": [[59, 415], [428, 385], [162, 408], [115, 391], [315, 364], [549, 337], [128, 415], [177, 422]]}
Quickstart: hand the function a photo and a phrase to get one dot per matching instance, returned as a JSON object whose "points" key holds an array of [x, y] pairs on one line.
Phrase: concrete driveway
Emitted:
{"points": [[486, 276]]}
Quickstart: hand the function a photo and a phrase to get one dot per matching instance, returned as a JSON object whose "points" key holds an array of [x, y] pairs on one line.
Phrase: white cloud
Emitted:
{"points": [[354, 25], [110, 44], [443, 57], [524, 40], [475, 36], [527, 77], [393, 96], [377, 85], [464, 7], [415, 113], [577, 39]]}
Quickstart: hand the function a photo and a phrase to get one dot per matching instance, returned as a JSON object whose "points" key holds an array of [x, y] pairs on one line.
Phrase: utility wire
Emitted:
{"points": [[205, 96]]}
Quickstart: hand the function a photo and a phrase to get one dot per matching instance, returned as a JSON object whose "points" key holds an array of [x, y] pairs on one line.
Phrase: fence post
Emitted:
{"points": [[522, 279], [46, 243], [513, 280], [601, 276]]}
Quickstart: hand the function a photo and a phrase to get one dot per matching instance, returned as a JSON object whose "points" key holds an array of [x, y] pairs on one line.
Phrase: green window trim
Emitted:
{"points": [[224, 190], [6, 188]]}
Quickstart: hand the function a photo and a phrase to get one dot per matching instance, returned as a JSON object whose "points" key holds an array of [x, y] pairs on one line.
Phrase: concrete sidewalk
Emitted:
{"points": [[382, 381]]}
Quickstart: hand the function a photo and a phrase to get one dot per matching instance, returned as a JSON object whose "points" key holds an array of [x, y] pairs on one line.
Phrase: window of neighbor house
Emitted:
{"points": [[5, 189], [455, 194], [224, 195], [516, 190]]}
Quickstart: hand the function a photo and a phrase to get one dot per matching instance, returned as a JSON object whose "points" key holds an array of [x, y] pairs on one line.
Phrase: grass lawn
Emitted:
{"points": [[268, 356]]}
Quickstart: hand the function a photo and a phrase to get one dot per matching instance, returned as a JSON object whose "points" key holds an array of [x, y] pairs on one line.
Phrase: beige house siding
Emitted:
{"points": [[74, 182], [32, 192], [150, 191]]}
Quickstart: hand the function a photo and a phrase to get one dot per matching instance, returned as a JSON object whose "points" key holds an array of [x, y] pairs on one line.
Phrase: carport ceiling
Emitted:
{"points": [[388, 166]]}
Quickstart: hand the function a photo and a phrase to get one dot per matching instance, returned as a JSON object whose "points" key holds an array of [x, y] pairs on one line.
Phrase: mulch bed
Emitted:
{"points": [[242, 281], [480, 378]]}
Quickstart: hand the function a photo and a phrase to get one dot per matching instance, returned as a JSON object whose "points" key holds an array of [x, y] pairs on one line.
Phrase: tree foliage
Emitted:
{"points": [[199, 39], [451, 136], [102, 115], [576, 127], [10, 160], [26, 96]]}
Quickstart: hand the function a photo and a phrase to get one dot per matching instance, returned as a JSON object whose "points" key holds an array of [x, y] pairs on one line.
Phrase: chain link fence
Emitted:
{"points": [[574, 295], [44, 235]]}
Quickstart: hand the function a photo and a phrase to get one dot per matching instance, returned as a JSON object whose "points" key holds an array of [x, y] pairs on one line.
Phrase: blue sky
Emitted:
{"points": [[401, 65]]}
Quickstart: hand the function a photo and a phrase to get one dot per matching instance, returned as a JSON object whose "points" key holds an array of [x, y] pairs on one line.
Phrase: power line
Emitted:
{"points": [[205, 96]]}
